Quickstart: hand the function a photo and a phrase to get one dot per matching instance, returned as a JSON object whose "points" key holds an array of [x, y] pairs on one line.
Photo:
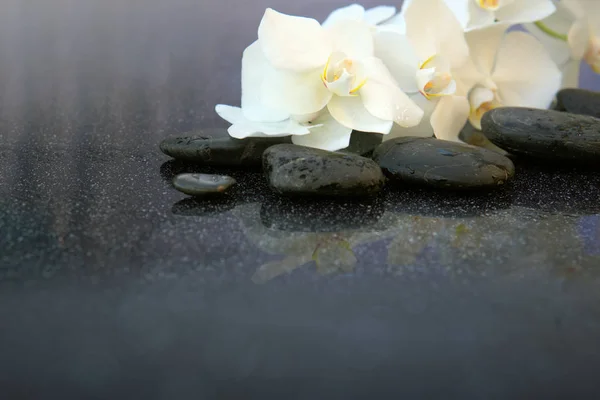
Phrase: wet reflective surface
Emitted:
{"points": [[114, 285]]}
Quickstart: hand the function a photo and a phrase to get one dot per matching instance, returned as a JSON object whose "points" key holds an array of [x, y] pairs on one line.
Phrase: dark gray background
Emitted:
{"points": [[114, 285]]}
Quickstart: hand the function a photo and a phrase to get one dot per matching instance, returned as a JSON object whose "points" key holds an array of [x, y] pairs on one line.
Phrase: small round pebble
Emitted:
{"points": [[202, 184]]}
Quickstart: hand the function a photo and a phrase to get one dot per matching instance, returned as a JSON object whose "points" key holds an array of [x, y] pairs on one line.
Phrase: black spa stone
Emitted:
{"points": [[579, 101], [442, 164], [544, 134], [298, 170]]}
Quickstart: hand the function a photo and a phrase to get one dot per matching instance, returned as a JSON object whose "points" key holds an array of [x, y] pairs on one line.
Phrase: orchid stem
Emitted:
{"points": [[544, 28]]}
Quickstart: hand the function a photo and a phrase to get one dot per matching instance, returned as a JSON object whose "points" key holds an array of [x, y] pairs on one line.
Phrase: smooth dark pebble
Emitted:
{"points": [[215, 147], [363, 143], [298, 170], [578, 101], [475, 137], [544, 134], [202, 184], [442, 164]]}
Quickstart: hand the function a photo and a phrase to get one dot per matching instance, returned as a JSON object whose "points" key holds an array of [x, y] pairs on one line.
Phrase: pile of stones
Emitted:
{"points": [[569, 134]]}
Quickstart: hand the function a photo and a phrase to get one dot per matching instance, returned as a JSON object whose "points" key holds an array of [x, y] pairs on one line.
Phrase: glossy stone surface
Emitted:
{"points": [[215, 147], [202, 184], [579, 101], [544, 134], [442, 164], [113, 285], [302, 171]]}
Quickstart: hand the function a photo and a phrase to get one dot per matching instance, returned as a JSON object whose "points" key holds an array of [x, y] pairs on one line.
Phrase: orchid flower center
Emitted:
{"points": [[434, 78], [490, 5], [592, 55], [482, 100], [343, 76]]}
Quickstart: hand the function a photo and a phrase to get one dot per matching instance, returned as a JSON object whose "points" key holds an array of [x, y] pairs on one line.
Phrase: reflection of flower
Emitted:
{"points": [[519, 74], [331, 252], [317, 84]]}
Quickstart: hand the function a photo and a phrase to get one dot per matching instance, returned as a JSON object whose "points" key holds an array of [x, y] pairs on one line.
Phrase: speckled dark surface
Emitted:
{"points": [[114, 285]]}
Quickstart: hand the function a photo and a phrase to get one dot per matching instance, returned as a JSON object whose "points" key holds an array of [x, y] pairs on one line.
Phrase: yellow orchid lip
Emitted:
{"points": [[489, 4], [426, 62], [353, 91]]}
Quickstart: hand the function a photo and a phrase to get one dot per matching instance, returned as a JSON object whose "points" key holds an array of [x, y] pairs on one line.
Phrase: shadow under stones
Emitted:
{"points": [[320, 215]]}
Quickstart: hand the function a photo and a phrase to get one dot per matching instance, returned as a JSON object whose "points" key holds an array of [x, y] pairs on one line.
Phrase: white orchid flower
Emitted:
{"points": [[571, 35], [422, 46], [507, 69], [373, 16], [477, 14], [317, 84]]}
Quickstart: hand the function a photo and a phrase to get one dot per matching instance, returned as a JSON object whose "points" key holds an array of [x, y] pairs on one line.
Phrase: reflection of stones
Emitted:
{"points": [[320, 215], [203, 184], [475, 137], [216, 147], [332, 252], [578, 101], [298, 170], [514, 244], [194, 207], [424, 202], [544, 134], [442, 164]]}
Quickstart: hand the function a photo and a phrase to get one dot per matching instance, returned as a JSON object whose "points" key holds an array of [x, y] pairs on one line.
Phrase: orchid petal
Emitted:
{"points": [[379, 14], [397, 22], [479, 97], [468, 76], [577, 8], [350, 112], [354, 12], [293, 43], [449, 117], [353, 38], [296, 93], [328, 134], [579, 38], [479, 18], [525, 74], [423, 129], [460, 8], [255, 69], [242, 127], [433, 29], [483, 46], [384, 99], [398, 55], [571, 71], [519, 12]]}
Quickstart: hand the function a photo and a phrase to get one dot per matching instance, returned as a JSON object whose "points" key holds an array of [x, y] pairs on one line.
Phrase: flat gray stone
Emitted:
{"points": [[544, 134], [298, 170], [442, 164], [215, 147], [202, 184]]}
